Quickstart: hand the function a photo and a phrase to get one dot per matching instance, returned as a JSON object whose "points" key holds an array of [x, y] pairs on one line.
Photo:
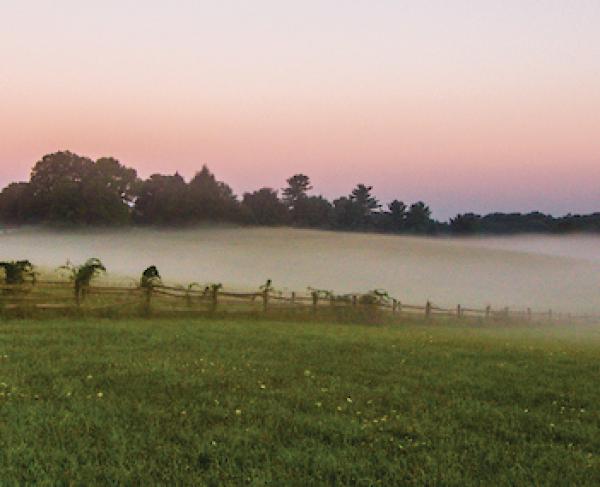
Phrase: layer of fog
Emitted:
{"points": [[562, 273]]}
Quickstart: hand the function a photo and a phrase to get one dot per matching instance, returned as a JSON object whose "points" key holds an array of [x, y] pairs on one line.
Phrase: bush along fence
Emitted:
{"points": [[22, 293]]}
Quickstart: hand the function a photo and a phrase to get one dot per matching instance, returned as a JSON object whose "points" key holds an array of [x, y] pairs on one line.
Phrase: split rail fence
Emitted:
{"points": [[60, 296]]}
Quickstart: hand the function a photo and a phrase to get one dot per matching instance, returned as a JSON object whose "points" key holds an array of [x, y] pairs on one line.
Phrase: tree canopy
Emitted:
{"points": [[69, 189]]}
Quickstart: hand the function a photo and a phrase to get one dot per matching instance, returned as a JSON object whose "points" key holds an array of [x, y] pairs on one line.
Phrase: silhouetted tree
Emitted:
{"points": [[163, 200], [345, 213], [265, 207], [396, 216], [297, 188], [418, 218], [211, 200], [116, 179], [15, 203], [56, 188], [312, 211], [355, 211], [468, 223], [67, 188], [361, 196]]}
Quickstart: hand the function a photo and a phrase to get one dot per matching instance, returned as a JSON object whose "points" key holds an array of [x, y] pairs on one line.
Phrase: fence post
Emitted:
{"points": [[214, 298], [428, 310], [315, 301], [148, 300], [265, 300], [77, 291], [488, 311], [459, 311], [354, 300]]}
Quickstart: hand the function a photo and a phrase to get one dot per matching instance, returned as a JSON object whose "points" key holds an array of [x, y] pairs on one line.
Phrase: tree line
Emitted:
{"points": [[68, 189]]}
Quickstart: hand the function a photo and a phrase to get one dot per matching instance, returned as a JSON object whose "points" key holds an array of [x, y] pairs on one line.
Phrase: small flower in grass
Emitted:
{"points": [[69, 394], [349, 400], [238, 412], [339, 408], [100, 395], [4, 385], [526, 411], [307, 373], [263, 386], [318, 404], [90, 377], [324, 389], [184, 413]]}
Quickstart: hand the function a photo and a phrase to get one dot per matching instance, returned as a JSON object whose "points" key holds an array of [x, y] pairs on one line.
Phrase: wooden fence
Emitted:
{"points": [[60, 296]]}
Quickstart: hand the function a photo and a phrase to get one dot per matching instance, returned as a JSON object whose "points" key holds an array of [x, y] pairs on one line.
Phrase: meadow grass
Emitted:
{"points": [[246, 402]]}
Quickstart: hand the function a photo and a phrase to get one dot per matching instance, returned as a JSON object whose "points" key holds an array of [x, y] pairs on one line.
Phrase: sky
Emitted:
{"points": [[468, 105]]}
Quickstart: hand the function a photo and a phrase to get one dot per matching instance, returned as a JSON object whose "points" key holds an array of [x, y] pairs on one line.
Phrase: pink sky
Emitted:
{"points": [[471, 106]]}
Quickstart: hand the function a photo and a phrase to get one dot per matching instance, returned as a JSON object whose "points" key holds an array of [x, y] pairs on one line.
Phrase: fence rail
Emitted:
{"points": [[61, 296]]}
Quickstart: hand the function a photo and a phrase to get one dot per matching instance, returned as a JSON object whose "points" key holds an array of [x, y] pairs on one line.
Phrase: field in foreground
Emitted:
{"points": [[201, 402]]}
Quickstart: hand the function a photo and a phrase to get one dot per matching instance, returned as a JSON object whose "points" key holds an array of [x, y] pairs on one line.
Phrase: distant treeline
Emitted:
{"points": [[67, 189]]}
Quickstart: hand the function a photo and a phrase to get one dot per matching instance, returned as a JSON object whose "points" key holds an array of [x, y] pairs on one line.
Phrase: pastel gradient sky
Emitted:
{"points": [[469, 105]]}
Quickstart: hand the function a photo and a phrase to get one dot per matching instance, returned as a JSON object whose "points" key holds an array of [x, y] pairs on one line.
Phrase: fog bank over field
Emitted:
{"points": [[562, 273]]}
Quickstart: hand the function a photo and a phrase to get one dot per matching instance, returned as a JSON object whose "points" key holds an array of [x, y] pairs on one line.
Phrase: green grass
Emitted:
{"points": [[200, 402]]}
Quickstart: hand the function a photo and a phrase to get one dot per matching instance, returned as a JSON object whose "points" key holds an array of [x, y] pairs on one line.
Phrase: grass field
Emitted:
{"points": [[200, 402]]}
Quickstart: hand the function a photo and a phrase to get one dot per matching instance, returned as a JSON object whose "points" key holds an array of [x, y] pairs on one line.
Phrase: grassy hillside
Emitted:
{"points": [[230, 403]]}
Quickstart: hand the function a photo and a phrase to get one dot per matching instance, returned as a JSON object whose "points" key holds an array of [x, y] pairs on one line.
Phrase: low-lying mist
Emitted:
{"points": [[562, 273]]}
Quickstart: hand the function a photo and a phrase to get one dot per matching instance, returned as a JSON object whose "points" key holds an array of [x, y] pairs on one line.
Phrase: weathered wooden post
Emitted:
{"points": [[293, 300], [315, 301], [214, 298], [265, 297], [148, 299], [428, 310], [354, 300], [459, 311], [77, 293], [488, 311]]}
